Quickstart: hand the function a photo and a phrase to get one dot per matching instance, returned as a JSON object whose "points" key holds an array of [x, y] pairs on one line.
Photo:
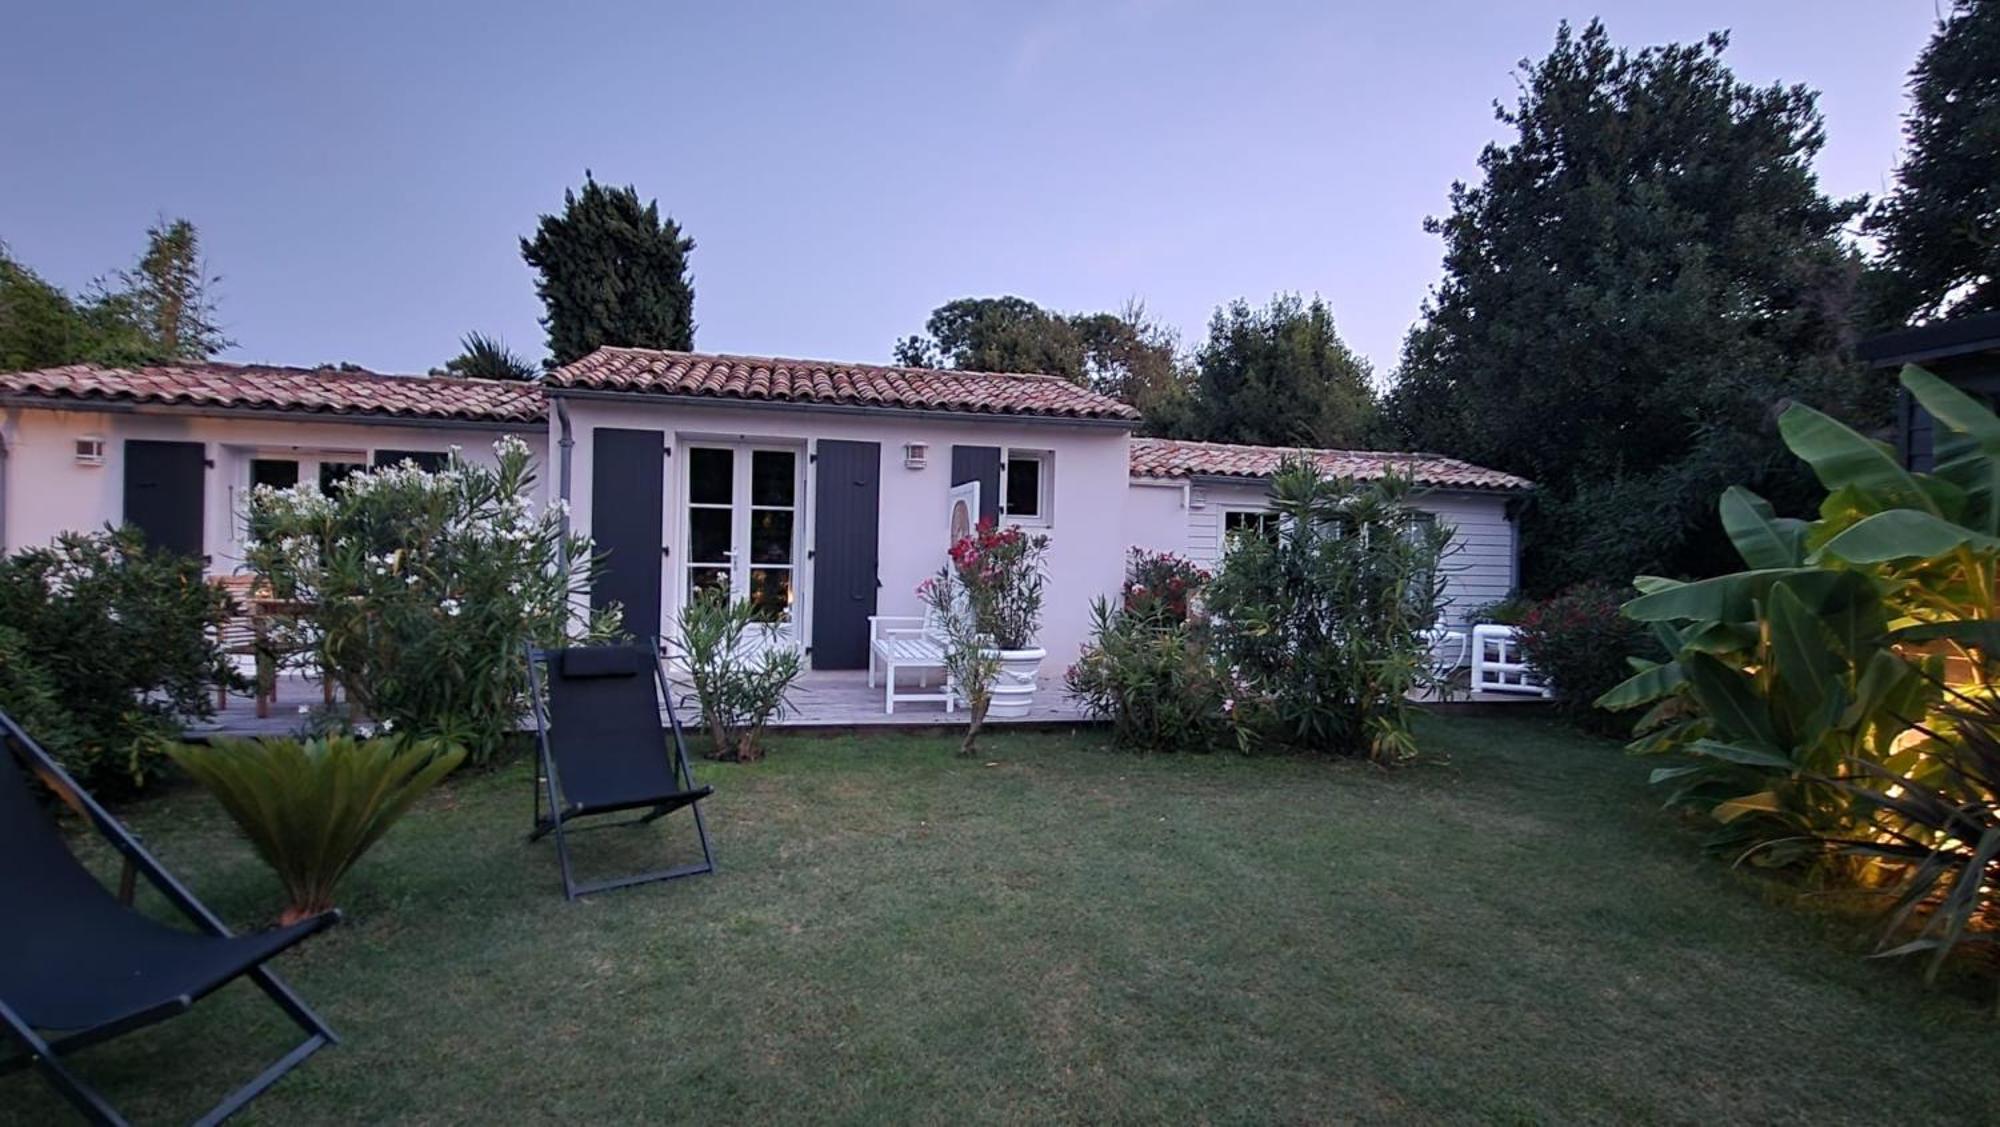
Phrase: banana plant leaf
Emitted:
{"points": [[1841, 457], [1730, 698], [1903, 534], [1725, 598], [1809, 671], [1762, 538], [1643, 687]]}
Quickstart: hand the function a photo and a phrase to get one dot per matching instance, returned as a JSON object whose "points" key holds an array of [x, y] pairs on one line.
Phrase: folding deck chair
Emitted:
{"points": [[604, 749], [79, 965]]}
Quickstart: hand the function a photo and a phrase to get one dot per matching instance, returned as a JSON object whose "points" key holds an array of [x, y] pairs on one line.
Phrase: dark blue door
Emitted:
{"points": [[847, 517], [627, 504], [163, 493]]}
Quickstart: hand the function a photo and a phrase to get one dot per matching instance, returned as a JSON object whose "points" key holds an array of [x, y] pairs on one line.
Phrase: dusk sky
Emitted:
{"points": [[361, 172]]}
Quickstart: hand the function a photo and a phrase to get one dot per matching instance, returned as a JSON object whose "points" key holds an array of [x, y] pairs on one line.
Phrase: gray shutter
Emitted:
{"points": [[847, 511], [980, 464], [163, 493], [627, 506]]}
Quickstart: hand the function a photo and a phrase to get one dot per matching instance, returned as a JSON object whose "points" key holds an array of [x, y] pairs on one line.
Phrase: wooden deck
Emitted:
{"points": [[822, 701]]}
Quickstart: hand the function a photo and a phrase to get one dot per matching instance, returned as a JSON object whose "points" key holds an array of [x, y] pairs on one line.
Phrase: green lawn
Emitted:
{"points": [[1058, 931]]}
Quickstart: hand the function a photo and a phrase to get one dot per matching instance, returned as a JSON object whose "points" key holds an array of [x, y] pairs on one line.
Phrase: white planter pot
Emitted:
{"points": [[1014, 689]]}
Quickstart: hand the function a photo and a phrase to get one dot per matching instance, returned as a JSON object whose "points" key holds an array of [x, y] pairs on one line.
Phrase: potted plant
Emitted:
{"points": [[1001, 571]]}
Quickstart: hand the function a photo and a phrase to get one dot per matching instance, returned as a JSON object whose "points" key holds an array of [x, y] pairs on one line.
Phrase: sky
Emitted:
{"points": [[361, 172]]}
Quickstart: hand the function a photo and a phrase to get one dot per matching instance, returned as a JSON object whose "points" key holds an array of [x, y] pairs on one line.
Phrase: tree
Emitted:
{"points": [[1281, 376], [167, 295], [1644, 275], [1939, 230], [487, 358], [1125, 354], [612, 272], [43, 327], [996, 334]]}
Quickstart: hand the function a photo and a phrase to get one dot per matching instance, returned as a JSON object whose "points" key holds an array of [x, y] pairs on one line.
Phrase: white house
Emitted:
{"points": [[823, 492], [175, 450]]}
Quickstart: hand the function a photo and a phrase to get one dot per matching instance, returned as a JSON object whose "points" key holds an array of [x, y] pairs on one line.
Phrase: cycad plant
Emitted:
{"points": [[311, 808]]}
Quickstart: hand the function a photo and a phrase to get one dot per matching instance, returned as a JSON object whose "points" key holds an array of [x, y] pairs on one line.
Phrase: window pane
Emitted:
{"points": [[1253, 523], [707, 579], [333, 473], [278, 473], [771, 536], [1024, 487], [708, 535], [771, 593], [711, 475], [771, 477]]}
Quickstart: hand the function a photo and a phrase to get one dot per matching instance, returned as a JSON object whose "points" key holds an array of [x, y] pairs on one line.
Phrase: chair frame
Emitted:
{"points": [[45, 1055], [908, 642], [549, 784]]}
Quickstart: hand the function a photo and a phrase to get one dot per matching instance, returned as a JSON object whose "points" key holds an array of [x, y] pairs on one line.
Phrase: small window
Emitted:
{"points": [[278, 473], [1026, 488], [1253, 522]]}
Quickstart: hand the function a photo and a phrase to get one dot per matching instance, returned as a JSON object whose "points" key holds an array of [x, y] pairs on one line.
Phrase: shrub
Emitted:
{"points": [[1002, 572], [1160, 587], [1324, 626], [740, 692], [1579, 642], [1155, 679], [1507, 611], [107, 648], [312, 808], [419, 590], [971, 664]]}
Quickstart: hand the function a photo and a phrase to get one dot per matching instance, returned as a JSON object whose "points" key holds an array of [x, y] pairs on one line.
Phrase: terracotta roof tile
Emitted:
{"points": [[1169, 457], [318, 391], [651, 372]]}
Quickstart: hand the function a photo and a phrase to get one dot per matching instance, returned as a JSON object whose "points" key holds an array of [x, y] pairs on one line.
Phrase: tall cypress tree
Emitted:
{"points": [[612, 272], [1940, 228]]}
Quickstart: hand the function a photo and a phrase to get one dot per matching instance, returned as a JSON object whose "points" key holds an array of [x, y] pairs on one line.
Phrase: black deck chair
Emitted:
{"points": [[604, 749], [79, 965]]}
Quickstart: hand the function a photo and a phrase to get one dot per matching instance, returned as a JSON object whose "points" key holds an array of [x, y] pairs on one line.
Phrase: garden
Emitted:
{"points": [[1266, 885]]}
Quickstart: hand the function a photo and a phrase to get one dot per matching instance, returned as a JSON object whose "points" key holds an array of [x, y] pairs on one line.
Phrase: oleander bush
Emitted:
{"points": [[1323, 627], [107, 648], [1580, 643], [741, 686], [419, 590]]}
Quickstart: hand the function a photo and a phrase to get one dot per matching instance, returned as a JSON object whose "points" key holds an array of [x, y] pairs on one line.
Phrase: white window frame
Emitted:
{"points": [[1222, 521], [1045, 493]]}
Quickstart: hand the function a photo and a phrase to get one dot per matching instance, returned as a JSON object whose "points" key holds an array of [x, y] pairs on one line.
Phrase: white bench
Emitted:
{"points": [[1498, 666], [907, 642]]}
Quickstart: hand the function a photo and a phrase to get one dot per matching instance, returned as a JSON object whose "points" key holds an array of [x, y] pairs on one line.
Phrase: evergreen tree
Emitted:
{"points": [[1644, 275], [613, 272], [1939, 230], [1281, 376]]}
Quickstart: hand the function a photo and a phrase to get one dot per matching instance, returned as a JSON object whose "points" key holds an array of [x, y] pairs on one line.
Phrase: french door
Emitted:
{"points": [[742, 528]]}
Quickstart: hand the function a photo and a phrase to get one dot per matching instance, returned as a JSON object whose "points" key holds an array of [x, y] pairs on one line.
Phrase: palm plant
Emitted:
{"points": [[311, 808], [1942, 828], [488, 358]]}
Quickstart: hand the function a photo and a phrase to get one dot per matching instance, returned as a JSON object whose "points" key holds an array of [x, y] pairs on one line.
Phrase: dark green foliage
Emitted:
{"points": [[488, 358], [1161, 587], [1155, 678], [1126, 354], [1939, 230], [1324, 627], [43, 327], [612, 272], [1581, 644], [1640, 279], [106, 649], [1281, 376]]}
